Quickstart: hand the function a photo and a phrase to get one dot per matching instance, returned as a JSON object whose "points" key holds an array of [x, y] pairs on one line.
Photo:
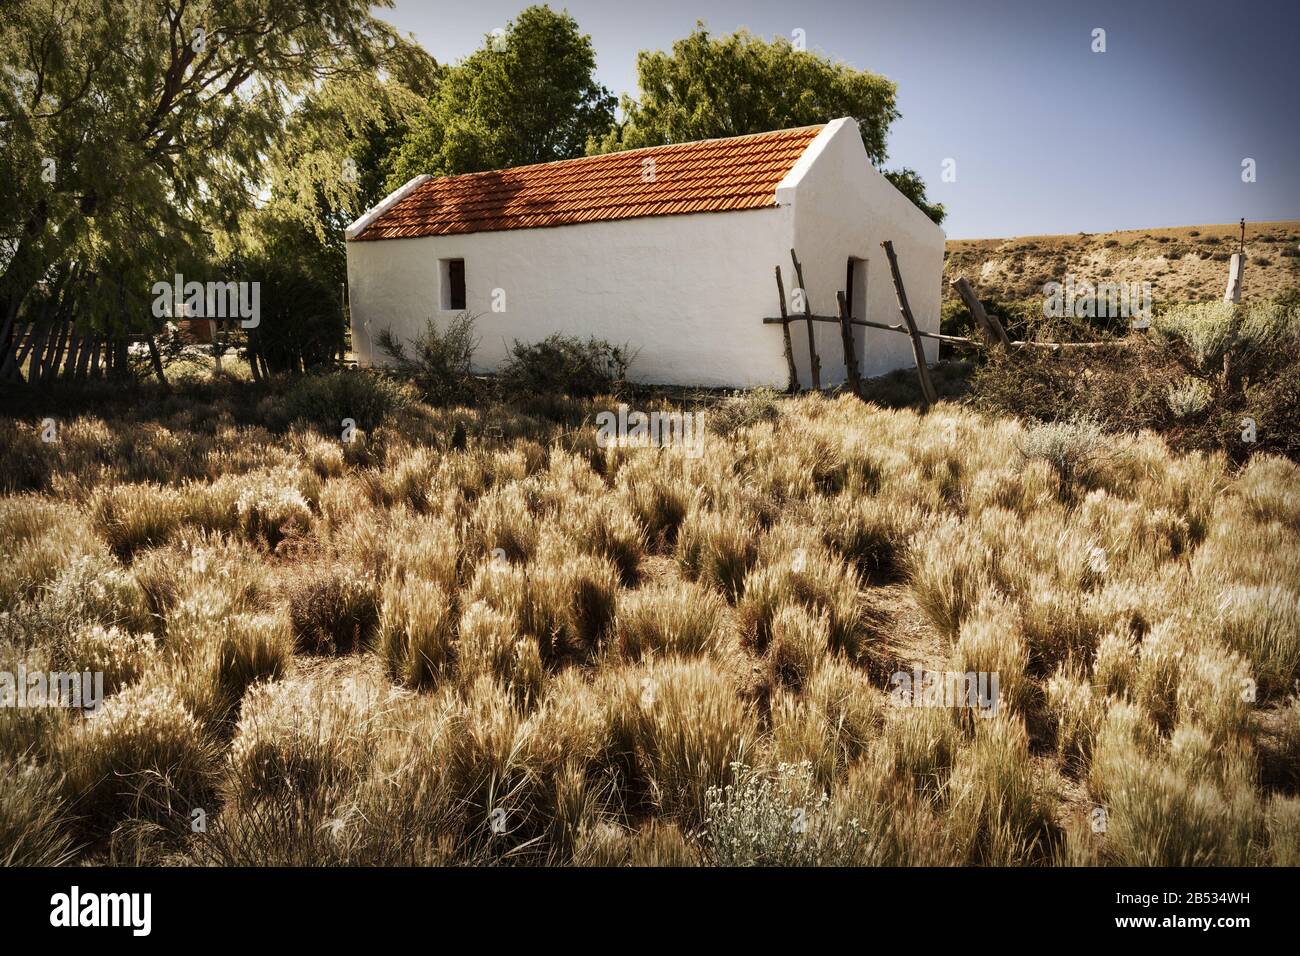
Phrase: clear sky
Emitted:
{"points": [[1047, 136]]}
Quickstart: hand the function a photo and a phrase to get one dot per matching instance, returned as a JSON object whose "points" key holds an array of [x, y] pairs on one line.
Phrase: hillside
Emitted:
{"points": [[1187, 263]]}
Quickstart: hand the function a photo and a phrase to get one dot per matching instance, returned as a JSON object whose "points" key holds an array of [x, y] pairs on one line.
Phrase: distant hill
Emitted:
{"points": [[1188, 263]]}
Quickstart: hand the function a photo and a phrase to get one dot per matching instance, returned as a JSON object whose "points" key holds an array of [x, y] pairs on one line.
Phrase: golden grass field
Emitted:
{"points": [[471, 635], [1183, 264]]}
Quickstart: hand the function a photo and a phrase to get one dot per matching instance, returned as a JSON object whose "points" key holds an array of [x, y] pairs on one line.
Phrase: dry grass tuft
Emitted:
{"points": [[336, 612], [625, 656], [144, 755], [683, 621], [717, 550], [812, 578], [417, 632]]}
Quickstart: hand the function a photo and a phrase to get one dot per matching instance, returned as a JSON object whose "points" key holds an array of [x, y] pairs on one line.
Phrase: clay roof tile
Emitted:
{"points": [[708, 176]]}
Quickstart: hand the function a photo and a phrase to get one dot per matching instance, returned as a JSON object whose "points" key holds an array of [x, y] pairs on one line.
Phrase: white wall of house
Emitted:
{"points": [[686, 293], [842, 208]]}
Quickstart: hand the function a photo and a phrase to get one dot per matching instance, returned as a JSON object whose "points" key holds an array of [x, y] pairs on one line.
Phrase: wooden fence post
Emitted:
{"points": [[1236, 269], [923, 373], [813, 361], [993, 333], [785, 334], [846, 333]]}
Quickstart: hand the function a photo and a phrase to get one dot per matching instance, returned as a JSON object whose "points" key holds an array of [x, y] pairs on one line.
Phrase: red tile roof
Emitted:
{"points": [[712, 175]]}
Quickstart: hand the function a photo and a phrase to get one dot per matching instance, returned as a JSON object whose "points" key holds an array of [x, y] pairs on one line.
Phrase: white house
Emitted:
{"points": [[669, 250]]}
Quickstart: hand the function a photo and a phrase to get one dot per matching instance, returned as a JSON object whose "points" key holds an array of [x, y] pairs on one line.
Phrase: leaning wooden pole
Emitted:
{"points": [[785, 334], [918, 351], [988, 325], [13, 359], [846, 334], [75, 345], [813, 361]]}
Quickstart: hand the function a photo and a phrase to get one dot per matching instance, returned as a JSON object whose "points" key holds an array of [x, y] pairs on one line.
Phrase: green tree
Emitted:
{"points": [[527, 96], [134, 131], [909, 183], [301, 290], [711, 87], [336, 153], [329, 164]]}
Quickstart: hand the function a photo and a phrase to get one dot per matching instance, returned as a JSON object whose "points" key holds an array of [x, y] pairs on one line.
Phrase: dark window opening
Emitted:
{"points": [[455, 284]]}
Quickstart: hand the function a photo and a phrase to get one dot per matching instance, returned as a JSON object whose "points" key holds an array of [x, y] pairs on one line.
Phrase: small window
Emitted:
{"points": [[858, 288], [453, 285]]}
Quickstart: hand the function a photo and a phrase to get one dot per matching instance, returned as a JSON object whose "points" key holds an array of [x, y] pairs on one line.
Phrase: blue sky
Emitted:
{"points": [[1047, 136]]}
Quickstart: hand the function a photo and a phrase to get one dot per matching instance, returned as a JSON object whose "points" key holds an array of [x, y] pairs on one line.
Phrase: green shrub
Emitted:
{"points": [[1202, 370], [1071, 447], [742, 409], [324, 401], [301, 326], [440, 361], [567, 365]]}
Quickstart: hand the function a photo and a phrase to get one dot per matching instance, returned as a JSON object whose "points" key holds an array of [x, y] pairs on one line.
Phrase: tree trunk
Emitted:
{"points": [[88, 352], [8, 340], [13, 361], [121, 358], [52, 361], [75, 343], [93, 368], [155, 359]]}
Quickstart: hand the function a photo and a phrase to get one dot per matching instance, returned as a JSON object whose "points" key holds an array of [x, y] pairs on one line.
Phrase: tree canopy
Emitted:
{"points": [[528, 95], [710, 87], [134, 130]]}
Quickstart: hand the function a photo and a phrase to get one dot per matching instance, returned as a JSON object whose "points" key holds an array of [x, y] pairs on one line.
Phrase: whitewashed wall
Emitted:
{"points": [[687, 293], [842, 208]]}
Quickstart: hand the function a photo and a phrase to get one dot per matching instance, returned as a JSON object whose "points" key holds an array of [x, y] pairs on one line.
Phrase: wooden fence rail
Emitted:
{"points": [[992, 332]]}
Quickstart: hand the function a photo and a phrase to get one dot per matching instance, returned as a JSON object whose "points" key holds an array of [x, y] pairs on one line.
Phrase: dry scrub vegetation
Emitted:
{"points": [[1183, 264], [472, 636]]}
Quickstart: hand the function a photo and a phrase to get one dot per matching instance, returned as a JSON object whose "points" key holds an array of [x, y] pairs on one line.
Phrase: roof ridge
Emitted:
{"points": [[434, 177]]}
